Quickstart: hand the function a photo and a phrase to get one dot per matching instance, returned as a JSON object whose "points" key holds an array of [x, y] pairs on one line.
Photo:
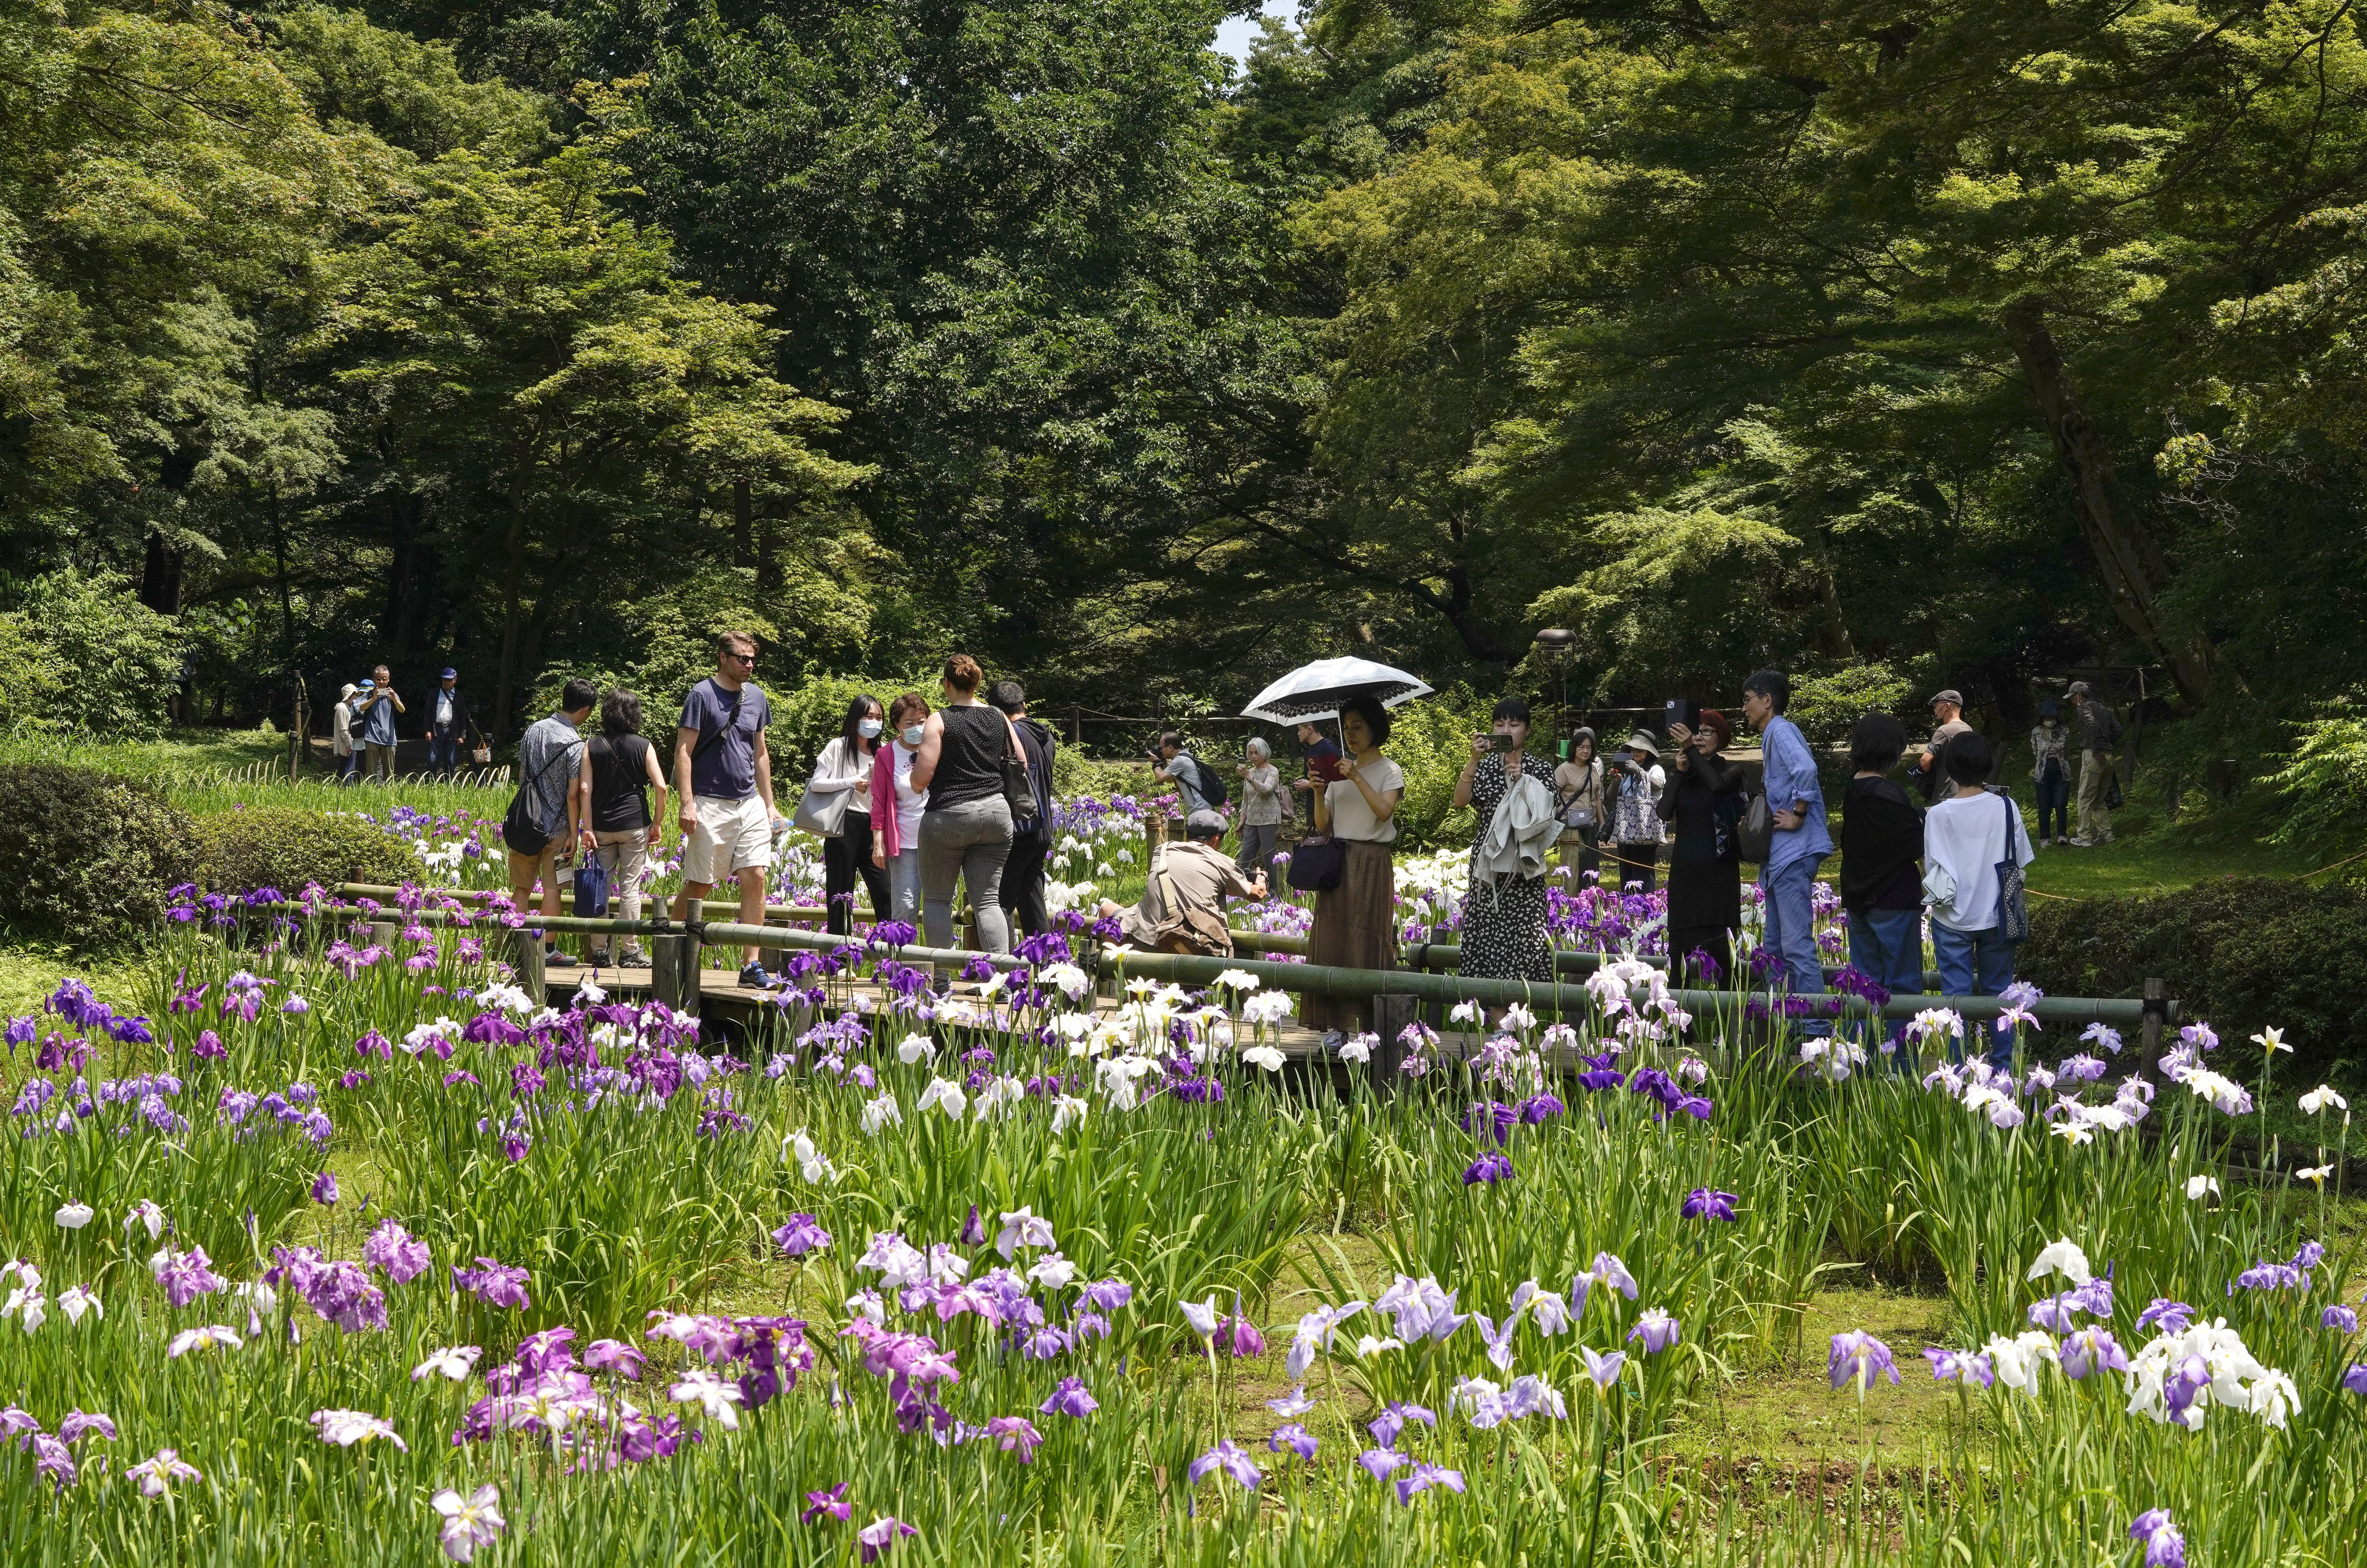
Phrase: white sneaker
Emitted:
{"points": [[2083, 844]]}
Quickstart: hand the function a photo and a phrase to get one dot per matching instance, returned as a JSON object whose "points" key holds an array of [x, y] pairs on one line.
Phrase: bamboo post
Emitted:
{"points": [[526, 954], [2157, 1016], [1391, 1015]]}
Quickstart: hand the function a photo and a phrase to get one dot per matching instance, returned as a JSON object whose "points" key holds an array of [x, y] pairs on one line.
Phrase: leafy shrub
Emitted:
{"points": [[85, 654], [1827, 707], [2324, 781], [284, 847], [85, 857], [2244, 953], [1430, 740]]}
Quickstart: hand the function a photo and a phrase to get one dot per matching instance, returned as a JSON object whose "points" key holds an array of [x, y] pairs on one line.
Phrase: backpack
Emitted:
{"points": [[1212, 788]]}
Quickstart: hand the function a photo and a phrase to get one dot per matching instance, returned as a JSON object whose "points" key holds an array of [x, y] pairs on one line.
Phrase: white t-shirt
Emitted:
{"points": [[1965, 836], [1352, 817], [908, 803]]}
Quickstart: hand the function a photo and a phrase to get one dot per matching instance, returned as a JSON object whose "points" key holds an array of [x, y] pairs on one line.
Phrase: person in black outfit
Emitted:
{"points": [[1882, 852], [846, 764], [619, 826], [1022, 893], [1704, 802]]}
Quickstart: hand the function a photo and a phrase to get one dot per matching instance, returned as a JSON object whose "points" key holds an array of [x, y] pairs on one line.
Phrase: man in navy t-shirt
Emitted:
{"points": [[723, 775]]}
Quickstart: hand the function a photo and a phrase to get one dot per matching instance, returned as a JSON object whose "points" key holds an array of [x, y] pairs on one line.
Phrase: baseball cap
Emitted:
{"points": [[1204, 821], [449, 675], [2078, 689], [1950, 695], [369, 686]]}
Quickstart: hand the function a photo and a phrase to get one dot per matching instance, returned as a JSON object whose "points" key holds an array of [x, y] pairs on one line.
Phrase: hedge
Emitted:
{"points": [[85, 857], [2243, 954]]}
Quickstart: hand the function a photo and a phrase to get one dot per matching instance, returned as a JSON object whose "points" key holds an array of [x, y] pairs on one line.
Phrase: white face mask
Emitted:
{"points": [[868, 729], [912, 733]]}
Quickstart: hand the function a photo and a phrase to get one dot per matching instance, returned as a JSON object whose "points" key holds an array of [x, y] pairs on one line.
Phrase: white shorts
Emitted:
{"points": [[732, 836]]}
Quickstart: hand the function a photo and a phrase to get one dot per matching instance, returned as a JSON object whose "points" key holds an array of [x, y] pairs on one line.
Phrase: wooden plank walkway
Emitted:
{"points": [[724, 1000]]}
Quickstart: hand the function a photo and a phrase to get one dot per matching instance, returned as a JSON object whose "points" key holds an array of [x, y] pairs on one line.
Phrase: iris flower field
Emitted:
{"points": [[333, 1246]]}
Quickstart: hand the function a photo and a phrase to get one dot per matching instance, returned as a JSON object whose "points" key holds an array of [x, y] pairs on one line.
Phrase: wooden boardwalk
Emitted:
{"points": [[723, 1000]]}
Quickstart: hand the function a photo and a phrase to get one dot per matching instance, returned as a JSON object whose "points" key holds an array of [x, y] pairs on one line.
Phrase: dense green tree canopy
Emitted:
{"points": [[1895, 342]]}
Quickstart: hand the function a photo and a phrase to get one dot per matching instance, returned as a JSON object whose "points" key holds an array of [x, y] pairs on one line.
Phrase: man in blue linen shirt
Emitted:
{"points": [[1797, 802]]}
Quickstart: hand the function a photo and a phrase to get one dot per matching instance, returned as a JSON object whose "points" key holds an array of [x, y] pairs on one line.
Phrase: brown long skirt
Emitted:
{"points": [[1356, 927]]}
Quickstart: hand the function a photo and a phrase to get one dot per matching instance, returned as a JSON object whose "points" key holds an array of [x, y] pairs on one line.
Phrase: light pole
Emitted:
{"points": [[1554, 645]]}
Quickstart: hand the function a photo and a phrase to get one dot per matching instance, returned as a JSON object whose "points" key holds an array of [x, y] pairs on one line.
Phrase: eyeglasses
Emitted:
{"points": [[743, 658]]}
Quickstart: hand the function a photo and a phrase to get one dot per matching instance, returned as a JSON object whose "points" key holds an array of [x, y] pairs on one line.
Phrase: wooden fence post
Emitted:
{"points": [[2156, 1015], [526, 955], [673, 970], [1391, 1015]]}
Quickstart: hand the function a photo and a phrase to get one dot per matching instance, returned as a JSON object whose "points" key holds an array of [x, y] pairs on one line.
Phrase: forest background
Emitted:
{"points": [[1899, 342]]}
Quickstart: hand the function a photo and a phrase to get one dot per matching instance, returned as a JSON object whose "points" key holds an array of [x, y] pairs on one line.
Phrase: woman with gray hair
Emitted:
{"points": [[1261, 810]]}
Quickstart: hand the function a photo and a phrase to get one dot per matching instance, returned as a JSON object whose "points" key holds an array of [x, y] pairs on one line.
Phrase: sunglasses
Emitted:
{"points": [[743, 658]]}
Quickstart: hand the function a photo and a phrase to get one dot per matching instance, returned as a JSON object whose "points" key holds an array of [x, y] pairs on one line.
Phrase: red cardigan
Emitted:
{"points": [[885, 832]]}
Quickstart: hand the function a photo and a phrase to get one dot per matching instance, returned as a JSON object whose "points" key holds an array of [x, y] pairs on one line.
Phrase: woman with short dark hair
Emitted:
{"points": [[1356, 923], [1704, 804], [1882, 861], [620, 826], [846, 764], [1503, 927]]}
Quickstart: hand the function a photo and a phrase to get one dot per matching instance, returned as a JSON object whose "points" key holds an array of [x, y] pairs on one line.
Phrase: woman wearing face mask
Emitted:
{"points": [[895, 808], [1504, 914], [846, 764]]}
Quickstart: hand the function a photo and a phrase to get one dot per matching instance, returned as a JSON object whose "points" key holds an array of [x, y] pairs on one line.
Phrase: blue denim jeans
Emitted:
{"points": [[1791, 931], [1975, 964], [443, 753], [1886, 946]]}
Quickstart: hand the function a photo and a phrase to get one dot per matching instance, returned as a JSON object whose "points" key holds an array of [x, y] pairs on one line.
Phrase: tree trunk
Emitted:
{"points": [[2127, 556], [744, 524], [279, 566], [160, 577], [513, 583]]}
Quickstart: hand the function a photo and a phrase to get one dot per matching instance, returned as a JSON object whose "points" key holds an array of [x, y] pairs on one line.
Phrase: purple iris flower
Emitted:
{"points": [[1859, 1357], [1232, 1459], [1423, 1477], [1487, 1169], [1392, 1420], [2164, 1547], [1537, 1107], [1707, 1204], [2169, 1316], [1016, 1434], [832, 1502], [2339, 1316], [185, 1276], [1069, 1398], [1966, 1367], [973, 1232], [402, 1255], [880, 1534], [615, 1356], [2355, 1379], [494, 1283], [324, 1189], [1382, 1461], [2091, 1350], [1292, 1436], [802, 1234], [1657, 1329]]}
